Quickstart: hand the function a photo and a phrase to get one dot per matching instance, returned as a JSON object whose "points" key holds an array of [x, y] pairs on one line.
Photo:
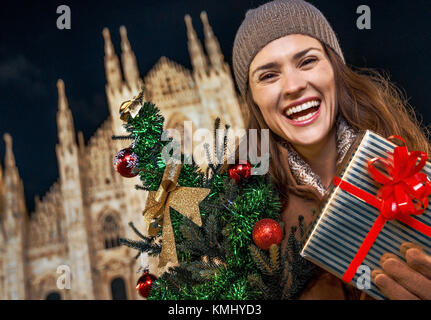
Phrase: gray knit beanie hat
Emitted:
{"points": [[272, 21]]}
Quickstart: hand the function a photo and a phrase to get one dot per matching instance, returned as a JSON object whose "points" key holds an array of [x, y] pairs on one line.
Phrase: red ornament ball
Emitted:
{"points": [[143, 286], [267, 232], [240, 171], [125, 163]]}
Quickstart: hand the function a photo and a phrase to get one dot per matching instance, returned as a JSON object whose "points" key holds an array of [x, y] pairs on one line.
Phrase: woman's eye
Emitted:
{"points": [[267, 76], [308, 61]]}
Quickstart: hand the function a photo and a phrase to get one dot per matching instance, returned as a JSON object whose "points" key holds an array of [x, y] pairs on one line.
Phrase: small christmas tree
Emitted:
{"points": [[216, 260]]}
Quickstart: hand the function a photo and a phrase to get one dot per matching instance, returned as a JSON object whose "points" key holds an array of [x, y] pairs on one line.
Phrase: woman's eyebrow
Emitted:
{"points": [[274, 64]]}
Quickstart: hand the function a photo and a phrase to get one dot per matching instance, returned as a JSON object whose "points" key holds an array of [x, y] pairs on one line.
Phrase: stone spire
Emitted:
{"points": [[72, 200], [15, 204], [14, 228], [63, 104], [66, 131], [196, 52], [10, 165], [211, 44], [128, 59], [112, 64]]}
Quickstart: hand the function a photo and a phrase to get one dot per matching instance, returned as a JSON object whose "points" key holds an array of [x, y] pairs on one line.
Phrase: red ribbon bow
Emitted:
{"points": [[404, 192]]}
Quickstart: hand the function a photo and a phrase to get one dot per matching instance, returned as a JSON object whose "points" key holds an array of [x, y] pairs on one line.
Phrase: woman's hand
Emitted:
{"points": [[410, 280]]}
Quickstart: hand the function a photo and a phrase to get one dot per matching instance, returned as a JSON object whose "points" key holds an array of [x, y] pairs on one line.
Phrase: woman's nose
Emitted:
{"points": [[293, 82]]}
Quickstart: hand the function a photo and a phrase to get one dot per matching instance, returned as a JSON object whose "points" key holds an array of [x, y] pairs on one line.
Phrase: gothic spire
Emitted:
{"points": [[112, 64], [196, 52], [11, 175], [63, 104], [66, 130], [9, 161], [13, 204], [12, 181], [128, 59], [211, 44]]}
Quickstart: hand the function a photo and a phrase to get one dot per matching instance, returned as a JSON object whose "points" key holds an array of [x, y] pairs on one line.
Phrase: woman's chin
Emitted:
{"points": [[308, 137]]}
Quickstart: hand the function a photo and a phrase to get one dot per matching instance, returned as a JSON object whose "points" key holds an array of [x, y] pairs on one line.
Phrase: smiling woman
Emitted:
{"points": [[291, 72]]}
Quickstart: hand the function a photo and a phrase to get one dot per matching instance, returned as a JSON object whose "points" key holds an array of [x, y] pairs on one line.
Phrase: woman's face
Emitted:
{"points": [[292, 82]]}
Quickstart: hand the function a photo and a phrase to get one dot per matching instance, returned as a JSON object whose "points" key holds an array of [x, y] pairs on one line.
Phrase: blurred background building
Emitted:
{"points": [[79, 221]]}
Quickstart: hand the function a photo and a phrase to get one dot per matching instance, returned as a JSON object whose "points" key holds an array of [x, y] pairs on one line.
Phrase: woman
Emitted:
{"points": [[291, 72]]}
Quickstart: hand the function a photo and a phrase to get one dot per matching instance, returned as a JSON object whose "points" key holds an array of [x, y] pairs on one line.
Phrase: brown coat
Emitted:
{"points": [[302, 199]]}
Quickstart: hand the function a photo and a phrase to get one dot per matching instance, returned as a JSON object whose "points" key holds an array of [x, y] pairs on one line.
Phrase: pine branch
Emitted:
{"points": [[260, 260], [184, 277], [286, 291], [174, 284], [194, 240], [208, 155], [256, 281], [202, 271], [207, 177], [300, 271], [211, 230], [292, 243], [184, 247], [191, 232], [145, 245], [140, 235], [218, 150], [142, 246], [216, 127], [221, 161], [284, 267], [274, 257]]}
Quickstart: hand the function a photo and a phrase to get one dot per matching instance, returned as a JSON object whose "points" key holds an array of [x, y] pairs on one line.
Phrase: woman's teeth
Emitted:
{"points": [[302, 112], [308, 116]]}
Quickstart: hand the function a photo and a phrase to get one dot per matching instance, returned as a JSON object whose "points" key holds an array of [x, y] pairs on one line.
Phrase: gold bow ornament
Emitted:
{"points": [[130, 108], [185, 200]]}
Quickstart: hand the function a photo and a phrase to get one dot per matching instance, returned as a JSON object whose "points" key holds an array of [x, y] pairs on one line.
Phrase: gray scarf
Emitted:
{"points": [[301, 170]]}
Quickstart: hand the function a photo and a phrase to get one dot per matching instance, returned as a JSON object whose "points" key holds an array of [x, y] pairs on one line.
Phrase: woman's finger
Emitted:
{"points": [[410, 279], [416, 258], [390, 288]]}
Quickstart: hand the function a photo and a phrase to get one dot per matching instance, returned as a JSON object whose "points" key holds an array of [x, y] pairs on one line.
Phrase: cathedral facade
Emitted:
{"points": [[68, 248]]}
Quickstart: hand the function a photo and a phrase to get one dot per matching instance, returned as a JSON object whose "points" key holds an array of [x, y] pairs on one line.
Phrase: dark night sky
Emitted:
{"points": [[34, 54]]}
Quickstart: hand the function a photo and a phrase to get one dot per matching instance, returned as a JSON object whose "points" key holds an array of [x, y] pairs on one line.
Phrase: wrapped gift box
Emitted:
{"points": [[345, 220]]}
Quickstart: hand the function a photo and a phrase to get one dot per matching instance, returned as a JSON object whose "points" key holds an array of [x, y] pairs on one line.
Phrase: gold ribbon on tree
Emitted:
{"points": [[185, 200], [131, 107]]}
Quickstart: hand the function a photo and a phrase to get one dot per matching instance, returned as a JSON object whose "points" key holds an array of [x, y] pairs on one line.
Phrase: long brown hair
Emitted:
{"points": [[366, 99]]}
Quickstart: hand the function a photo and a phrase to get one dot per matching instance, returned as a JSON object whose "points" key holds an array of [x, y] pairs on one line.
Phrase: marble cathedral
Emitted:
{"points": [[77, 223]]}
